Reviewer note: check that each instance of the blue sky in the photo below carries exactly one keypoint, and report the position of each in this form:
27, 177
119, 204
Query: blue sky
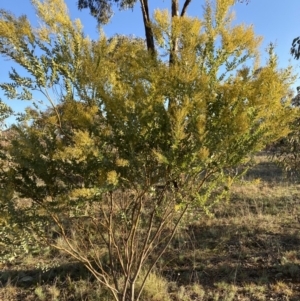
276, 20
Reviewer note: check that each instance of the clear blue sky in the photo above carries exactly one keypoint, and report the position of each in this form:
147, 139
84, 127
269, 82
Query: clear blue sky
276, 20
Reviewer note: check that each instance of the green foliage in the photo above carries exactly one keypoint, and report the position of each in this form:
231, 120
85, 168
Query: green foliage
286, 151
295, 49
102, 9
5, 111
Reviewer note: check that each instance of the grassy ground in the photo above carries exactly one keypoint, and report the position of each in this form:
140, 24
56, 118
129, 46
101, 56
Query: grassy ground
249, 250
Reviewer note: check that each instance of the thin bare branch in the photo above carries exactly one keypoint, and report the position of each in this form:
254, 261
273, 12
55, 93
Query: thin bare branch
184, 8
162, 251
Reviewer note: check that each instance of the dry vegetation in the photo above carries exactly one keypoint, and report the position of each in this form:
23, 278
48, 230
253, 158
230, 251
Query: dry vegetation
248, 250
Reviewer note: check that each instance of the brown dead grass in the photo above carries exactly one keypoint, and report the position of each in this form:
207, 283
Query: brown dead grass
248, 250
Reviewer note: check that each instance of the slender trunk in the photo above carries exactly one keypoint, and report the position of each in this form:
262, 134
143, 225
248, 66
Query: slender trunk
174, 42
175, 13
147, 26
174, 46
185, 6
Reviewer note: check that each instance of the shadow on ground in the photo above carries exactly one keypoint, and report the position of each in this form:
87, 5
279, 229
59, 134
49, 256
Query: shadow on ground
32, 277
233, 254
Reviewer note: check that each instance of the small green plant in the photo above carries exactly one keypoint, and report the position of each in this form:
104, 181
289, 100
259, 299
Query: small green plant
198, 291
54, 292
39, 292
255, 291
282, 288
187, 293
156, 287
227, 291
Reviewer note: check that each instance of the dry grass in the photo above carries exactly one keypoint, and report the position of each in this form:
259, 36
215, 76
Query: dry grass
249, 250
